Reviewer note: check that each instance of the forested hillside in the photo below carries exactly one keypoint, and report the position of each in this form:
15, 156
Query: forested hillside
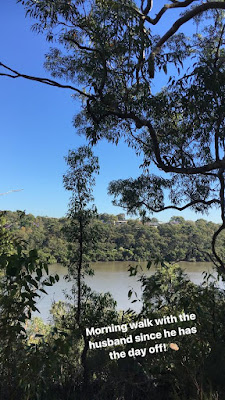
118, 240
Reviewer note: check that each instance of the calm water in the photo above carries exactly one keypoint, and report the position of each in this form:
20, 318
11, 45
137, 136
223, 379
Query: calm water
111, 277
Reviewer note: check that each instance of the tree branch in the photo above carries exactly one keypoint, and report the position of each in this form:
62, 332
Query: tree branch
187, 17
176, 4
81, 47
218, 259
141, 122
222, 227
219, 45
192, 203
15, 74
147, 8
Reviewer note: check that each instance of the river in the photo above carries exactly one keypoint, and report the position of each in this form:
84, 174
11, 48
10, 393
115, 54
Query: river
111, 277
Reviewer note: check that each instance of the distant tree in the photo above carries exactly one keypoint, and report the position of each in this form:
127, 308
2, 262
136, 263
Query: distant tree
107, 218
177, 219
121, 217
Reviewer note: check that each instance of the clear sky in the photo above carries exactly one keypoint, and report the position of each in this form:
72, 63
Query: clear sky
36, 131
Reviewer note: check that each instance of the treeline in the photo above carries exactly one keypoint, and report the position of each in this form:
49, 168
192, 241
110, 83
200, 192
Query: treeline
118, 240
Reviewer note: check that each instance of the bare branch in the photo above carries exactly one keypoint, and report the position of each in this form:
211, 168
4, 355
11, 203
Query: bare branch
11, 191
148, 7
144, 11
175, 4
192, 203
15, 74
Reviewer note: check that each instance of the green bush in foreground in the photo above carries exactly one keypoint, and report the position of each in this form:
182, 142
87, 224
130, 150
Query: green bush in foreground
49, 361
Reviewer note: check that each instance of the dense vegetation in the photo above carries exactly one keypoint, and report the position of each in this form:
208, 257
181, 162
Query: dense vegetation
43, 362
112, 52
112, 55
176, 240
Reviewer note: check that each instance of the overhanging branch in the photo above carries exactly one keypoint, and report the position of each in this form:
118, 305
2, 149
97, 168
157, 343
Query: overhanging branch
192, 203
15, 74
176, 4
187, 17
140, 123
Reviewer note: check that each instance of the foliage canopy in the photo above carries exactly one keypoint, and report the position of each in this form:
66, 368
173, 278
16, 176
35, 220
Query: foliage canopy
111, 55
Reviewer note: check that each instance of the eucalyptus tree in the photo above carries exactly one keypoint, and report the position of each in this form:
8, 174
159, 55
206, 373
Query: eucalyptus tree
111, 55
80, 180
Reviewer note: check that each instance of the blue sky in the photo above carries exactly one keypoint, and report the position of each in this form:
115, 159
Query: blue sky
37, 132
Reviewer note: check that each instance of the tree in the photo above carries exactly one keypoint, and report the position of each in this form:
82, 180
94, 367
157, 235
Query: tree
112, 54
80, 180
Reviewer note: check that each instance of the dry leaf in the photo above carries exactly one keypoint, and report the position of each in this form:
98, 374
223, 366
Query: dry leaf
174, 346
